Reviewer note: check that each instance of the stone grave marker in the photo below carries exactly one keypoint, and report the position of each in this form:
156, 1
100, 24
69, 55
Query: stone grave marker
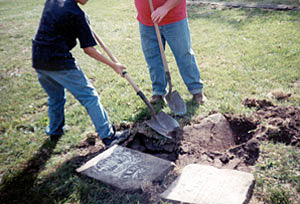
201, 184
125, 168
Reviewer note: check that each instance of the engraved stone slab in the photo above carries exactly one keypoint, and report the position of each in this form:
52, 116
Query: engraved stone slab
208, 185
125, 168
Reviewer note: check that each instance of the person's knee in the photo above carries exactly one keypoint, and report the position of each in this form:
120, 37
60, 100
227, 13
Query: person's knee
90, 101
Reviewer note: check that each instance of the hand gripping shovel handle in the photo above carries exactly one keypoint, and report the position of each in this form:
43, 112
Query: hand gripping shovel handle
162, 51
126, 76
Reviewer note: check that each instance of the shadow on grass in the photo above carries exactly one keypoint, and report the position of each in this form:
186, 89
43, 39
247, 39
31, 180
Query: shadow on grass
192, 106
145, 114
12, 190
64, 185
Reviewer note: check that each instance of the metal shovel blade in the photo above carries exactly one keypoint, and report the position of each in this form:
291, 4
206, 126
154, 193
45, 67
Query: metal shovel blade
176, 103
163, 124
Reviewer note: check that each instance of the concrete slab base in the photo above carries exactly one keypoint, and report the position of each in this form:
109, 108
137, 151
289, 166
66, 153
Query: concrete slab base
200, 184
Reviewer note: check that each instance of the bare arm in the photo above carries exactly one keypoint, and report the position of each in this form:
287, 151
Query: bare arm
160, 12
94, 53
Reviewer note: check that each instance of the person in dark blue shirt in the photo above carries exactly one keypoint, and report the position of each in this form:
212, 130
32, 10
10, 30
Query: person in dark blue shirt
61, 24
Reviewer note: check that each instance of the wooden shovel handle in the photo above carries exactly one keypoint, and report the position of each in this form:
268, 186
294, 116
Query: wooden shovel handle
114, 59
126, 76
104, 47
162, 51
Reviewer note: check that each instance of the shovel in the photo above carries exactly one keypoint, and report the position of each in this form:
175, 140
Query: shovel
161, 123
175, 102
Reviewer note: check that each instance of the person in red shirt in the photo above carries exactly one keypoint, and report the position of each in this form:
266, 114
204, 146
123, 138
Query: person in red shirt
171, 17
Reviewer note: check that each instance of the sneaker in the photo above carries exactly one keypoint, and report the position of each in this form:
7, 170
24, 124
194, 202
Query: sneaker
199, 98
55, 138
155, 99
117, 138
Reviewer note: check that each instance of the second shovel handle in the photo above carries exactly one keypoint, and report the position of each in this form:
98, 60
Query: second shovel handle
162, 50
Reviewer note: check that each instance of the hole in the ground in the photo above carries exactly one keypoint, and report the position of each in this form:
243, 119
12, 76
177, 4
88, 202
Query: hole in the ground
225, 141
215, 140
242, 128
165, 149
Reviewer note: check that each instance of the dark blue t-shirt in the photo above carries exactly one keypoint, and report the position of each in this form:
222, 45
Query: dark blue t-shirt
62, 22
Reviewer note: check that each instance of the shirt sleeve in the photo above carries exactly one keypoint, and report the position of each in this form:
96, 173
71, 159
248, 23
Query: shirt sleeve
84, 32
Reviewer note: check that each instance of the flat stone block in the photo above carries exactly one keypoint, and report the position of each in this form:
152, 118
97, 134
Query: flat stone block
200, 184
125, 168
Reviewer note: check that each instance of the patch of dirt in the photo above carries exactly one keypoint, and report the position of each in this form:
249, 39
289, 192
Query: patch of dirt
224, 141
276, 123
279, 95
219, 142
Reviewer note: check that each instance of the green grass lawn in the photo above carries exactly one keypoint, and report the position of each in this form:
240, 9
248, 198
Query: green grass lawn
241, 53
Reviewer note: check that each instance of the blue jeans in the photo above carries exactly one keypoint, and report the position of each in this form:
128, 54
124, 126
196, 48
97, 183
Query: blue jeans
177, 35
75, 81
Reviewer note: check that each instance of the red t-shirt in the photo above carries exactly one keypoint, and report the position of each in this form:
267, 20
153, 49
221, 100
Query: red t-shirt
176, 14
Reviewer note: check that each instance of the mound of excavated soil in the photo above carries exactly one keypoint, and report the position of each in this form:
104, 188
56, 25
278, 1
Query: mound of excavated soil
280, 124
225, 141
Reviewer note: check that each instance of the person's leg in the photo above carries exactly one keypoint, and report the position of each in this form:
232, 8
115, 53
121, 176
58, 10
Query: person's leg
152, 56
177, 36
56, 102
78, 84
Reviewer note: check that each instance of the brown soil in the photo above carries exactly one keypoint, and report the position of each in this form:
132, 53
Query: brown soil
225, 141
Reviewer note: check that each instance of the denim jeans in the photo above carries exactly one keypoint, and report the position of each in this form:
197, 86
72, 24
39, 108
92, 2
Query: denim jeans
75, 81
177, 35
